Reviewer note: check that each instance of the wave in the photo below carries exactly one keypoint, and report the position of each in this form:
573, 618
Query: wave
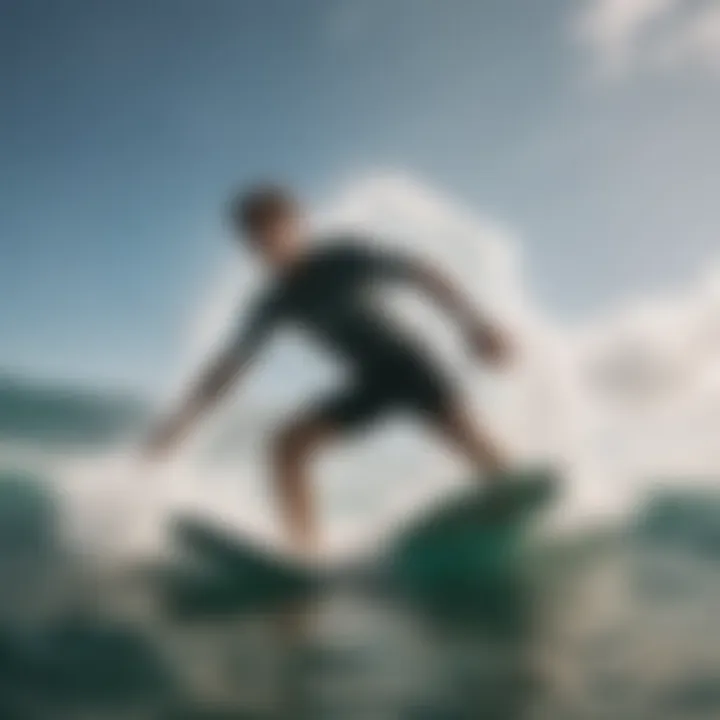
45, 414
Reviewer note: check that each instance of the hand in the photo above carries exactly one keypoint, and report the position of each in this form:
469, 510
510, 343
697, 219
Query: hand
174, 428
491, 344
160, 442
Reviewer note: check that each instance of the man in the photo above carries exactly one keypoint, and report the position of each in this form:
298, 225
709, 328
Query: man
324, 290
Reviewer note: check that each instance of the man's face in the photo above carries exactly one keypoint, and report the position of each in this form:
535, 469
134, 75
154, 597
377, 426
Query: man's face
279, 241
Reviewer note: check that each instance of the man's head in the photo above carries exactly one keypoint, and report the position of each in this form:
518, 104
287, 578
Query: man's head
270, 219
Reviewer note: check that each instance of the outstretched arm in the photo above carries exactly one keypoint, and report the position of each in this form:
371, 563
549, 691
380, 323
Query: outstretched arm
213, 383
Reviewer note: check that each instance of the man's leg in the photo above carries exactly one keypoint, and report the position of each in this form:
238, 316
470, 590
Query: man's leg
294, 448
458, 426
341, 413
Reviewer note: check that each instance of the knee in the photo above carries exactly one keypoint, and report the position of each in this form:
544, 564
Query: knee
291, 445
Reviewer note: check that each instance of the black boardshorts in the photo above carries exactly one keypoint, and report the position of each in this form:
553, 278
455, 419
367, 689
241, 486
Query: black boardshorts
413, 387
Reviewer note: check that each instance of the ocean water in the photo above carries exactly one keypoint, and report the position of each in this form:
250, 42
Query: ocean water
617, 621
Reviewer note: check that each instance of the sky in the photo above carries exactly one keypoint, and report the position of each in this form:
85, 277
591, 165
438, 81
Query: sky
589, 127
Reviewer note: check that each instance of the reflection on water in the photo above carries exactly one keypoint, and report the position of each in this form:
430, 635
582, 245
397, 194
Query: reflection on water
346, 653
621, 626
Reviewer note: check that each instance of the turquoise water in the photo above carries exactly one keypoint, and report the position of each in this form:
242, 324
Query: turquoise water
617, 624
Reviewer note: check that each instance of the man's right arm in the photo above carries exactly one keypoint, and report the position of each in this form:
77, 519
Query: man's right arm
213, 384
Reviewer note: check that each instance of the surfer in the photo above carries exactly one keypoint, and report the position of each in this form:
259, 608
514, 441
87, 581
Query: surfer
326, 289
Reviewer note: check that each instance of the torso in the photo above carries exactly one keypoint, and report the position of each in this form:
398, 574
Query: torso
327, 294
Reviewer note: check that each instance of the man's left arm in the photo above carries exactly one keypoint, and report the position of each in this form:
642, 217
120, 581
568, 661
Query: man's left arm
485, 336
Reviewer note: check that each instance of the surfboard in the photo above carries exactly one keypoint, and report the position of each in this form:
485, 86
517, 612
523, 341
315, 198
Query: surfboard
464, 543
227, 572
474, 538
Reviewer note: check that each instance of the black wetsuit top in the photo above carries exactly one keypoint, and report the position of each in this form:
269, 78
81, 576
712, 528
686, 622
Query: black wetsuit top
329, 294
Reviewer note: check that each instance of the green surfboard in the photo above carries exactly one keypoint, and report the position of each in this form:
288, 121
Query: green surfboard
233, 572
466, 543
472, 539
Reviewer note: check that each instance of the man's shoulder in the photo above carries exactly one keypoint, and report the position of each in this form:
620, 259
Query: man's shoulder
267, 300
343, 246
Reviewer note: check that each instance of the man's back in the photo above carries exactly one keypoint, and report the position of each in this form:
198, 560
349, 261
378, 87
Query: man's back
329, 293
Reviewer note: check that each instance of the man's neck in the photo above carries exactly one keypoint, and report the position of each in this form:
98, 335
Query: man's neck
293, 260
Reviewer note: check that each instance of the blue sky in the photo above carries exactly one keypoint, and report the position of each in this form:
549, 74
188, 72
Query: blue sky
124, 125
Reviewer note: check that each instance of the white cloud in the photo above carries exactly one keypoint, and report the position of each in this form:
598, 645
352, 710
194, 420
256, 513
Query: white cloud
615, 27
627, 35
697, 41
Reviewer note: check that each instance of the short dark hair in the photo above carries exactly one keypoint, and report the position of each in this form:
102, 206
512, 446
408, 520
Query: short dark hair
252, 210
